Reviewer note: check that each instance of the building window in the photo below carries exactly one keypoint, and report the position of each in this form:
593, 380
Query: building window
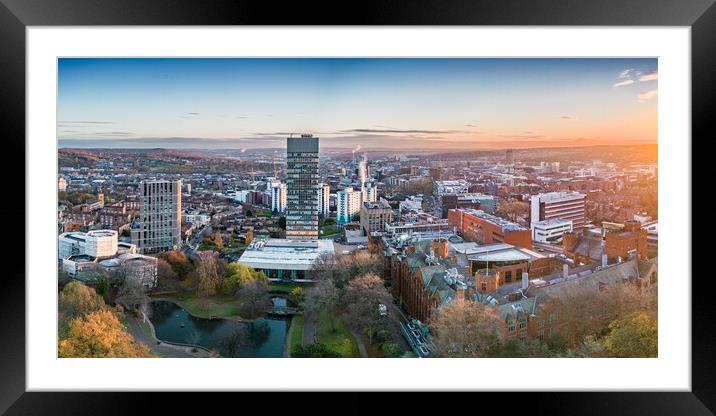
508, 276
483, 286
511, 326
523, 324
540, 335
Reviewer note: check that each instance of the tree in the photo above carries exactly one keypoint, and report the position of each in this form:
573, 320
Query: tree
77, 300
100, 334
282, 223
249, 213
321, 299
297, 295
249, 237
391, 350
179, 262
165, 274
316, 350
235, 340
218, 241
255, 299
362, 297
132, 294
513, 209
636, 336
102, 288
237, 275
583, 311
208, 273
466, 329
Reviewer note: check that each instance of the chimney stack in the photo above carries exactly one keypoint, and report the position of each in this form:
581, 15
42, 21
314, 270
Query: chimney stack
605, 260
565, 270
525, 280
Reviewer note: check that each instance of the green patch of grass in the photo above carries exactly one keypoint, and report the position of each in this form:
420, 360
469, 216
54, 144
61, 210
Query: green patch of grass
295, 333
329, 231
338, 339
283, 287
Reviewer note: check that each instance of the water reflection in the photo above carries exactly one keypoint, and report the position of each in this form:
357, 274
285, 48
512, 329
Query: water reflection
260, 338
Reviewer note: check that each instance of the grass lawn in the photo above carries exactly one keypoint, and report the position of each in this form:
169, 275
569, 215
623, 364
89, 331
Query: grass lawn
223, 306
283, 287
340, 340
329, 231
295, 333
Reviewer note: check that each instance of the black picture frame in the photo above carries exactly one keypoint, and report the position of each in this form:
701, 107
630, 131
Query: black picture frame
700, 15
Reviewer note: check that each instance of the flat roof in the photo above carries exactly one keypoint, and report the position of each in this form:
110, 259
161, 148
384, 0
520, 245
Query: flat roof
286, 254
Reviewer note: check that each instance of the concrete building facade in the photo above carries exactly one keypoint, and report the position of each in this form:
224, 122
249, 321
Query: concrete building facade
159, 218
301, 187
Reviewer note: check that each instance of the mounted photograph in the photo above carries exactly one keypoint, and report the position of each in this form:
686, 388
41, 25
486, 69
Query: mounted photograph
357, 207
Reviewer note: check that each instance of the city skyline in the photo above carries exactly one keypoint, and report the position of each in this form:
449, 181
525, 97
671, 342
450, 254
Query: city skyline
473, 103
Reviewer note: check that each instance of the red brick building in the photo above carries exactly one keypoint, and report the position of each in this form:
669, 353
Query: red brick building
632, 238
484, 228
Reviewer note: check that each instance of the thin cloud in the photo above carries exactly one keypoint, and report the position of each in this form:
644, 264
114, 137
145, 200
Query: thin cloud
623, 83
522, 136
647, 95
406, 131
567, 117
650, 76
626, 73
470, 125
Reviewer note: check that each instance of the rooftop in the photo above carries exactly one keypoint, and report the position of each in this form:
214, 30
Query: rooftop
285, 254
505, 225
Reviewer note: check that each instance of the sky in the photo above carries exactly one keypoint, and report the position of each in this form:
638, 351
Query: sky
387, 103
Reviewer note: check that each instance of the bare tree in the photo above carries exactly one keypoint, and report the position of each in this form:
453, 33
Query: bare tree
255, 299
322, 298
466, 329
132, 294
362, 297
235, 340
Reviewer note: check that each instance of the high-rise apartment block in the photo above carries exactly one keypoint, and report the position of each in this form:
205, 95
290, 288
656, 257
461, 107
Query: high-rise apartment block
559, 206
160, 216
278, 197
324, 199
348, 202
301, 187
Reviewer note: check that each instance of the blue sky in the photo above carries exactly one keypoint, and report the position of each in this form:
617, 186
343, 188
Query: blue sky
381, 103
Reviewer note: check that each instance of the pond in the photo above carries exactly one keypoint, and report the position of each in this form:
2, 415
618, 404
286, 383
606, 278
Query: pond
261, 338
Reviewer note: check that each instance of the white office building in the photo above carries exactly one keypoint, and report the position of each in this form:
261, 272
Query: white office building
559, 206
550, 231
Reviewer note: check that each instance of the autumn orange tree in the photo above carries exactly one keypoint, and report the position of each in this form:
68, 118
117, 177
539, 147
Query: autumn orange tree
100, 334
77, 300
